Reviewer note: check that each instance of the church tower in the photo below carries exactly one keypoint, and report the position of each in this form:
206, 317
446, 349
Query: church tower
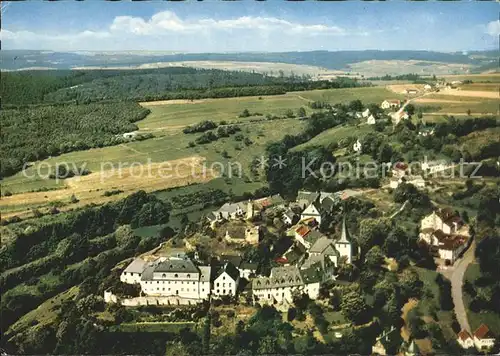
344, 245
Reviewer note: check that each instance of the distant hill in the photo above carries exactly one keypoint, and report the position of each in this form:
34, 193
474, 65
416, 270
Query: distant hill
17, 59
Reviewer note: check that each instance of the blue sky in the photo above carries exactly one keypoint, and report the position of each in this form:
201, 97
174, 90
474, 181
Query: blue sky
274, 25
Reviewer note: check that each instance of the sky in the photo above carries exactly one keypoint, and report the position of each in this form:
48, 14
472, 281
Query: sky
247, 25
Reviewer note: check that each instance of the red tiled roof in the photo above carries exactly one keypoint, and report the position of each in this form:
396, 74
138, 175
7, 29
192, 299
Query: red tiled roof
464, 335
483, 332
281, 260
394, 101
302, 230
401, 165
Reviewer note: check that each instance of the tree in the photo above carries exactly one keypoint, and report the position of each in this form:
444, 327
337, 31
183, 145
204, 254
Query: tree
410, 109
411, 284
356, 105
397, 243
301, 112
409, 192
354, 307
373, 232
374, 258
206, 334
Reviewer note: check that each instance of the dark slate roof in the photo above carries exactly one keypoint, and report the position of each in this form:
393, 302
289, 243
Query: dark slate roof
177, 265
249, 265
211, 216
312, 274
344, 237
234, 259
280, 277
230, 269
328, 204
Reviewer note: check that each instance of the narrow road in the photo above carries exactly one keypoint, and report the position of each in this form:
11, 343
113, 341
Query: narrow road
456, 276
399, 210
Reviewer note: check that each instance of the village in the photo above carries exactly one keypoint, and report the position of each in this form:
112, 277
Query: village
310, 259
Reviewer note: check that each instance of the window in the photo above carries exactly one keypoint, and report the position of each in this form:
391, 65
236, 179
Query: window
163, 275
194, 283
175, 275
217, 284
223, 277
224, 291
218, 291
188, 276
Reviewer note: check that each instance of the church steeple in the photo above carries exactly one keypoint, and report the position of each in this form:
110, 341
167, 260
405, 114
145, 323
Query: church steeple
344, 237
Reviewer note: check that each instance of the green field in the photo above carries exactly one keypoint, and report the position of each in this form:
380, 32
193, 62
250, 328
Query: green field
173, 116
335, 135
366, 95
167, 121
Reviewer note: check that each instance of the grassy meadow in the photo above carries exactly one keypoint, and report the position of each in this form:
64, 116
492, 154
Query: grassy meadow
170, 144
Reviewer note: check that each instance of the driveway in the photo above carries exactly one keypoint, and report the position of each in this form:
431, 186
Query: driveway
456, 275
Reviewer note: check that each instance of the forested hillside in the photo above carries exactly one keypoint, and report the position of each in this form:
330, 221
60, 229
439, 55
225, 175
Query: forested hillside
31, 87
34, 133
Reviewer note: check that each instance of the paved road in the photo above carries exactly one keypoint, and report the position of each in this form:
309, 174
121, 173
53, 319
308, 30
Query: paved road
456, 276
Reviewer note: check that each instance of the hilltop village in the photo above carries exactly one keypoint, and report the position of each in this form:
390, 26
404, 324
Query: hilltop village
309, 261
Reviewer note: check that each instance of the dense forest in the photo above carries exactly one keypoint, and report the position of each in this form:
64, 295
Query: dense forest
34, 87
34, 133
58, 243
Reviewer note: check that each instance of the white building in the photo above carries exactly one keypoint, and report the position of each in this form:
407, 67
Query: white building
230, 211
226, 281
398, 116
247, 270
288, 217
465, 339
445, 233
344, 245
133, 273
432, 167
365, 113
483, 338
417, 180
371, 120
312, 211
357, 146
427, 87
399, 170
390, 104
284, 282
444, 220
177, 277
325, 247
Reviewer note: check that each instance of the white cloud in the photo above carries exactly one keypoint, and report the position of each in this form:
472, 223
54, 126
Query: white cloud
246, 33
493, 28
167, 21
